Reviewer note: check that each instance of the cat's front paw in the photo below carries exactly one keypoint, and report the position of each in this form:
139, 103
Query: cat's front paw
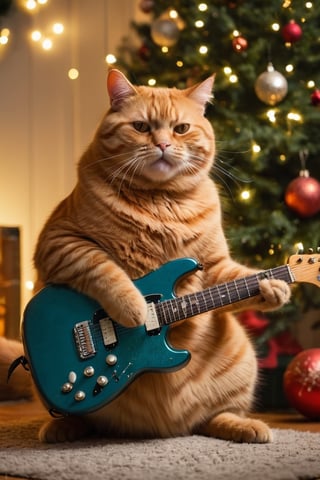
67, 429
275, 293
131, 309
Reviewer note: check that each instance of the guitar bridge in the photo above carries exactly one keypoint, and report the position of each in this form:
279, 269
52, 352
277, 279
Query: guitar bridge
83, 339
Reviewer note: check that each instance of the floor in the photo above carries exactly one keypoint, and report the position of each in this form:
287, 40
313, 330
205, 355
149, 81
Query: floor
32, 409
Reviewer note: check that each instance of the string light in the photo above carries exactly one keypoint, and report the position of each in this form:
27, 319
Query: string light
245, 195
296, 117
227, 70
164, 49
111, 59
202, 7
256, 148
179, 63
173, 14
233, 78
36, 35
73, 73
203, 49
289, 68
275, 27
152, 82
47, 44
58, 28
199, 24
309, 5
311, 84
4, 36
29, 285
271, 114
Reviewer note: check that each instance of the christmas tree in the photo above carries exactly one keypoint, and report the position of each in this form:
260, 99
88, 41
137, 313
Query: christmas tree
266, 115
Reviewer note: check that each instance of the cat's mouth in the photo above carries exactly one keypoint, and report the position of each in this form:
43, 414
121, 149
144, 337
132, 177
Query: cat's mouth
162, 165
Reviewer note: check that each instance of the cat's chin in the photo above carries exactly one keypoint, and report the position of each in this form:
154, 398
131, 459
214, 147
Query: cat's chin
160, 170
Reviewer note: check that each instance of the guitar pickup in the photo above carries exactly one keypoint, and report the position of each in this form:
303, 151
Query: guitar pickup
152, 323
83, 339
108, 332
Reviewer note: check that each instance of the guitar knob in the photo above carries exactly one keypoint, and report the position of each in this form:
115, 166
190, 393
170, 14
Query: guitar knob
79, 396
88, 371
102, 381
111, 359
66, 387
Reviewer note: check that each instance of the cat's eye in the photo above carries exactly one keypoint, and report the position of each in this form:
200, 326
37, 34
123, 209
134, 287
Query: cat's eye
182, 128
141, 126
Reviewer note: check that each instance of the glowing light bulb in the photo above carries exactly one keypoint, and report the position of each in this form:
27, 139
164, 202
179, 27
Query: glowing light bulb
31, 4
42, 2
179, 63
282, 157
311, 84
29, 285
36, 35
152, 82
309, 5
58, 28
236, 33
271, 114
227, 70
73, 73
233, 78
256, 148
203, 49
164, 49
199, 24
245, 195
289, 68
47, 44
275, 27
296, 117
173, 14
111, 59
202, 7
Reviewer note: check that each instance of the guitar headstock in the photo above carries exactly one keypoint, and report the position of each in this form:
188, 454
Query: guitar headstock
306, 267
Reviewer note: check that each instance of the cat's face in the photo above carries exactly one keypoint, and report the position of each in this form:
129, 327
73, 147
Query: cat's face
152, 136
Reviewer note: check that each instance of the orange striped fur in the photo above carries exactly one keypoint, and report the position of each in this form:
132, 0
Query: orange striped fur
144, 196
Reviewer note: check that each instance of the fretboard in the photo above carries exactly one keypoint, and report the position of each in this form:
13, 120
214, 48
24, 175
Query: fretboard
212, 298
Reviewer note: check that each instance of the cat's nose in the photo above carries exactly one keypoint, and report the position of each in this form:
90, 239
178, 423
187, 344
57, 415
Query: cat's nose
163, 145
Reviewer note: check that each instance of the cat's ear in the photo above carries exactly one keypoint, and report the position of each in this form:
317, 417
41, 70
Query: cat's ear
119, 88
202, 92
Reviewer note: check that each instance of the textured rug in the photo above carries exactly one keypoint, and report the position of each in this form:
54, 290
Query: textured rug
293, 455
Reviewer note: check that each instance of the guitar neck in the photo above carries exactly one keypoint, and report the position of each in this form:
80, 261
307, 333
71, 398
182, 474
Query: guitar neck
219, 296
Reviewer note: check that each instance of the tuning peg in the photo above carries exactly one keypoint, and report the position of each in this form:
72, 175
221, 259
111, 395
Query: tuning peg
310, 250
318, 249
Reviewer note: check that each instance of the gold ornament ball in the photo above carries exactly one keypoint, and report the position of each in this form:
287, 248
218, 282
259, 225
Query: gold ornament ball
164, 32
271, 86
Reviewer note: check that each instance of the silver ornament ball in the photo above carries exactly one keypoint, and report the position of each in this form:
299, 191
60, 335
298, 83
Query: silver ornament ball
164, 32
271, 86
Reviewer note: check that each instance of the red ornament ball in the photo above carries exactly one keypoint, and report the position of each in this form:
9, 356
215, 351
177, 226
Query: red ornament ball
301, 383
146, 6
303, 195
292, 32
315, 98
239, 44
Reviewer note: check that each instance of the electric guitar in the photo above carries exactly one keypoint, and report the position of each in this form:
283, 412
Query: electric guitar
80, 359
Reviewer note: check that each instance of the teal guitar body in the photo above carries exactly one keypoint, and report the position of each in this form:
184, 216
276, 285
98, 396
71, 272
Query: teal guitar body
80, 359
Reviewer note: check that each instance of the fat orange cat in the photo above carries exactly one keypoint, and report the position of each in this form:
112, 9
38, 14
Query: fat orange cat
144, 196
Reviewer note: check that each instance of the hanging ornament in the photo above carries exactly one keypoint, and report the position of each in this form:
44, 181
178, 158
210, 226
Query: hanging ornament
239, 44
165, 31
292, 32
271, 86
301, 383
303, 193
146, 6
315, 98
144, 52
